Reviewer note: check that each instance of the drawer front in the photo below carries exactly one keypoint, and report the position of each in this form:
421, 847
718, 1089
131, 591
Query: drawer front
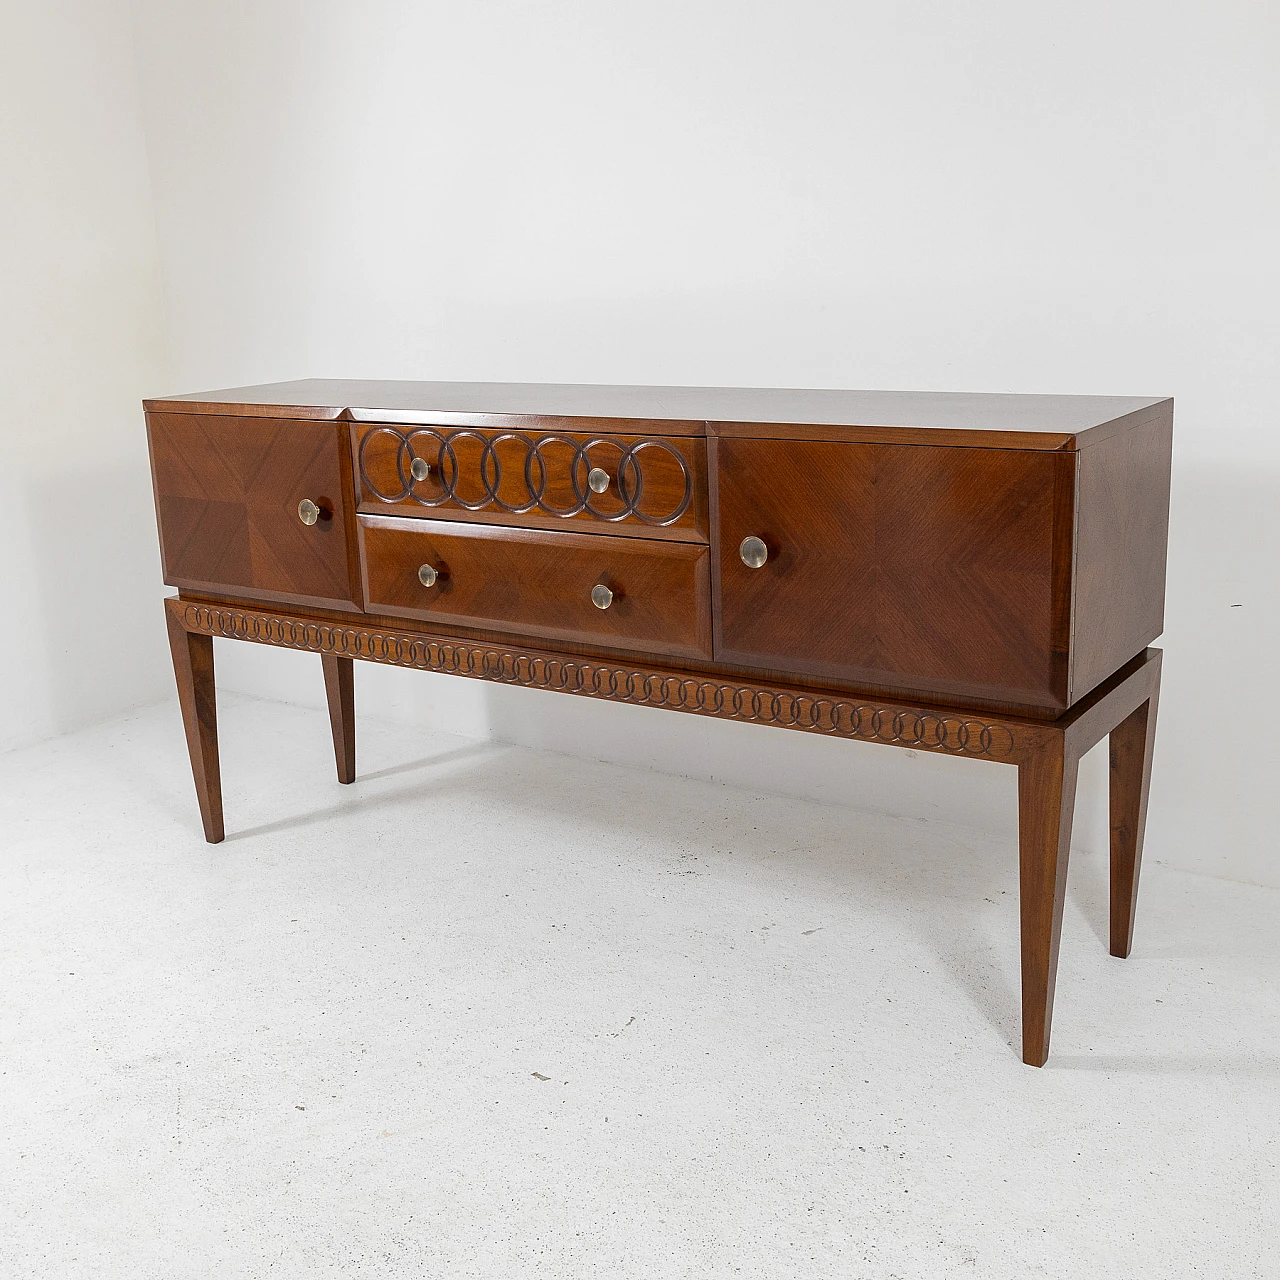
541, 584
650, 487
909, 567
227, 495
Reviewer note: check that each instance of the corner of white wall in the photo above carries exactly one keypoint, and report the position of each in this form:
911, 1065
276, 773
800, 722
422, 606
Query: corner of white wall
814, 194
80, 344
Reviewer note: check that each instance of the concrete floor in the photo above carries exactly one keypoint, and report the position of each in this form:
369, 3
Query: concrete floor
492, 1012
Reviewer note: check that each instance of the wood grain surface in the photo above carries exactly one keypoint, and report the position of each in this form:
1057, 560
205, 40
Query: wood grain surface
657, 486
192, 653
922, 568
1121, 545
340, 694
970, 575
539, 584
227, 492
989, 420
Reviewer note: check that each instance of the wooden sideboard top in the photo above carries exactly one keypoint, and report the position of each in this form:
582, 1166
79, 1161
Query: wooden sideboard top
1010, 421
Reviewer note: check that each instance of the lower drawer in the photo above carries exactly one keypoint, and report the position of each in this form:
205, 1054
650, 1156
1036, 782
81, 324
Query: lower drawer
630, 593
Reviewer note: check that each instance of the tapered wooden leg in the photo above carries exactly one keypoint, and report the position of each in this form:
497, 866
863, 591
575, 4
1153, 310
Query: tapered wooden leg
340, 688
1046, 800
193, 669
1131, 746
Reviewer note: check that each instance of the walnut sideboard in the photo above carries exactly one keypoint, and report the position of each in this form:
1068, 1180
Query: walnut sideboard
977, 575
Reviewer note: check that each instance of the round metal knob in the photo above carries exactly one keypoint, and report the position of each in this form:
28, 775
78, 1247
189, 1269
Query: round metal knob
419, 468
753, 552
598, 482
308, 511
601, 596
428, 576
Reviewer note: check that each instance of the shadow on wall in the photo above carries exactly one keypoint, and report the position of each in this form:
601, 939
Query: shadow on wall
1215, 806
97, 606
758, 759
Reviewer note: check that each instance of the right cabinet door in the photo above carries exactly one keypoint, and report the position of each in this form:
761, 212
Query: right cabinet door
914, 568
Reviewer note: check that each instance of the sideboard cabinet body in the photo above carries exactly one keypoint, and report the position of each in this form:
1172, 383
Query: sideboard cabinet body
995, 555
1012, 569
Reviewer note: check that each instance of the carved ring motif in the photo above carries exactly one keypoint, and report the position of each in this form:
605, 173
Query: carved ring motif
869, 722
445, 469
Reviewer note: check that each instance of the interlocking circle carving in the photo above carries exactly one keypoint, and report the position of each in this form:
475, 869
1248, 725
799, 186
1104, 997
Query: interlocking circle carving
436, 447
708, 695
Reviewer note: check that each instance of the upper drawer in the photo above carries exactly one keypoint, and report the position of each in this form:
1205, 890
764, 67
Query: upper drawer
642, 486
927, 570
618, 592
227, 495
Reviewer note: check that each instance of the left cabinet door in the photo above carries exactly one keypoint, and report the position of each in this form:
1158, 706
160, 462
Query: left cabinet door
228, 496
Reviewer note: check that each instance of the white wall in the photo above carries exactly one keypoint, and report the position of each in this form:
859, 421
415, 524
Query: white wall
80, 342
992, 196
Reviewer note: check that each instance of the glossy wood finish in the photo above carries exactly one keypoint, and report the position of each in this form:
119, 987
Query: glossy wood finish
1121, 544
932, 570
535, 479
968, 575
340, 692
984, 420
1124, 708
193, 670
539, 584
227, 491
1046, 803
1131, 747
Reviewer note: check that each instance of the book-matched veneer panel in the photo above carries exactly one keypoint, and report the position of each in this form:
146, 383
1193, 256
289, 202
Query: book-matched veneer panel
534, 583
914, 567
227, 493
654, 486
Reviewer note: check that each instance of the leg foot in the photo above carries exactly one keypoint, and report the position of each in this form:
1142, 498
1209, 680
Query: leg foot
1131, 746
193, 669
340, 689
1046, 800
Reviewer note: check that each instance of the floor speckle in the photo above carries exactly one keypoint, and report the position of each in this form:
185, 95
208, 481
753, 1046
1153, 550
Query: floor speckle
416, 954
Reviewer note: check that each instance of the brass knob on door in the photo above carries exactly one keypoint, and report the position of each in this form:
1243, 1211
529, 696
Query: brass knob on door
419, 468
598, 482
428, 576
601, 596
753, 552
308, 511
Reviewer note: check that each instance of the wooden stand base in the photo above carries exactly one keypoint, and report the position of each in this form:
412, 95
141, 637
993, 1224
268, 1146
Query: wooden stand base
340, 690
193, 670
1047, 753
